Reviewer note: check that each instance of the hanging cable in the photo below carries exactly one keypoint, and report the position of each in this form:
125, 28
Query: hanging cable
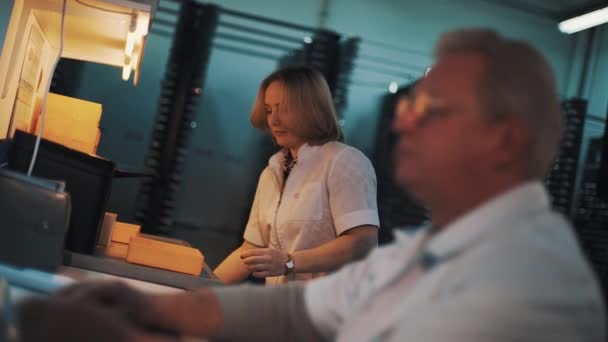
46, 92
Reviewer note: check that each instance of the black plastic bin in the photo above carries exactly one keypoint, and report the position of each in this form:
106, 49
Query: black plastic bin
88, 180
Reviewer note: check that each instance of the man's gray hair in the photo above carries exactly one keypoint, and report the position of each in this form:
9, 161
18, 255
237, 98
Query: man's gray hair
517, 81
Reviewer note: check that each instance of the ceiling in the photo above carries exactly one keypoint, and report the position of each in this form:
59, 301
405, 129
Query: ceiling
558, 9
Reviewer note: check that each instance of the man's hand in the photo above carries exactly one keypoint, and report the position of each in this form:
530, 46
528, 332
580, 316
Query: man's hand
56, 319
265, 262
119, 298
111, 295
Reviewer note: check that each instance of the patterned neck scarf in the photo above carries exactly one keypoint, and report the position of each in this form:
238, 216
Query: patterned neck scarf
288, 163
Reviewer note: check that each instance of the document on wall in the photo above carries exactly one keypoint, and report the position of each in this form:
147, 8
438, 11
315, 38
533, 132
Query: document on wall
28, 102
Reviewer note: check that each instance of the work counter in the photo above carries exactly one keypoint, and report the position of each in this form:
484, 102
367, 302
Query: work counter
79, 267
119, 268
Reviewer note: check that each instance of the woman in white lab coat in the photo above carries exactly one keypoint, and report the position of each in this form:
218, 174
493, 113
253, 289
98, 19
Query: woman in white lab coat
315, 206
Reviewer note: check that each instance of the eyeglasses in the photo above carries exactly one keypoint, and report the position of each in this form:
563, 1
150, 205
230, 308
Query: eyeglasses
421, 106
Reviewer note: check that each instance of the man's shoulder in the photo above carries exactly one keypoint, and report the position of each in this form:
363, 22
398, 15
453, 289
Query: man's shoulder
536, 275
539, 253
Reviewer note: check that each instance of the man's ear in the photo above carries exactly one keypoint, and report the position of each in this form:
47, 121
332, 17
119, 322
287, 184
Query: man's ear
512, 140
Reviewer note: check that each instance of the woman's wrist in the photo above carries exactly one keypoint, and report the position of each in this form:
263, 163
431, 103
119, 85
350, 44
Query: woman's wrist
289, 264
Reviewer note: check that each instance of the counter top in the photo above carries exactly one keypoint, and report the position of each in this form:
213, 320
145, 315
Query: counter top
123, 269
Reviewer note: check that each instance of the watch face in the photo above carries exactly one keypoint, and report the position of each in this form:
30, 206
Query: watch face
289, 264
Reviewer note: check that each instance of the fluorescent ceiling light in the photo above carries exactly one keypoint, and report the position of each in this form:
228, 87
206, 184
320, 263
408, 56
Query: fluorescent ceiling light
585, 21
393, 87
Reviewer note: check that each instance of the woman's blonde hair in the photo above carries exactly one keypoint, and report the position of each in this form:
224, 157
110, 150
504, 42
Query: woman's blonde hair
307, 95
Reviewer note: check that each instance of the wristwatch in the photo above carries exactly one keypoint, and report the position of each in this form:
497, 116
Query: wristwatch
289, 265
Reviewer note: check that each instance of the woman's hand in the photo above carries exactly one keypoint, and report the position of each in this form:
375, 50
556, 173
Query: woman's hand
265, 262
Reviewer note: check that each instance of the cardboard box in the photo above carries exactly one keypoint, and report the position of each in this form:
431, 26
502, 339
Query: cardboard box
165, 255
105, 233
71, 122
117, 250
123, 232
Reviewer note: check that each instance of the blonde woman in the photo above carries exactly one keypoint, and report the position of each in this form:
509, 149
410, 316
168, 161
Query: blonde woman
315, 205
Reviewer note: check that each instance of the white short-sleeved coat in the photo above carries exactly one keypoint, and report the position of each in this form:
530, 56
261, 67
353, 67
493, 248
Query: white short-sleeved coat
331, 188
